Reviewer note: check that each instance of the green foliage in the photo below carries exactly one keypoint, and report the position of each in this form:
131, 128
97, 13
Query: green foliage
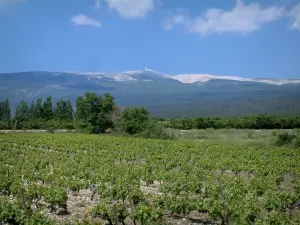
52, 125
41, 115
297, 142
134, 120
247, 122
56, 197
155, 130
147, 215
250, 134
284, 138
231, 184
5, 110
83, 126
99, 114
63, 111
48, 109
68, 125
96, 111
38, 109
11, 213
22, 112
5, 125
105, 211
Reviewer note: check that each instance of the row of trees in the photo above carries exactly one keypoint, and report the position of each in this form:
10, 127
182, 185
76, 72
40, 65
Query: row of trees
247, 122
97, 114
94, 113
39, 110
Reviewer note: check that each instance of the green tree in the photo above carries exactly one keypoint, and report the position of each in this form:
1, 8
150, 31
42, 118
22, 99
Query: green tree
22, 112
63, 111
38, 111
60, 110
134, 120
32, 111
81, 108
5, 112
95, 110
69, 111
48, 109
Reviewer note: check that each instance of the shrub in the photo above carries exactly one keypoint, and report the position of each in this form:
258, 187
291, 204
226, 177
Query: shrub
274, 133
250, 134
297, 142
69, 126
56, 197
5, 125
284, 138
83, 126
134, 120
155, 130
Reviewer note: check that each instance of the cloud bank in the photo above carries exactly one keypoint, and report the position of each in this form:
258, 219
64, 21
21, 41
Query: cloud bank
241, 19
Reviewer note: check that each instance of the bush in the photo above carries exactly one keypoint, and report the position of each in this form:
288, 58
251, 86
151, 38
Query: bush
69, 126
134, 120
297, 142
250, 135
83, 126
284, 138
155, 130
274, 133
5, 125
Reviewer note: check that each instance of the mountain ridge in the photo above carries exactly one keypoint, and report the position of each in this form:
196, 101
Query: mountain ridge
152, 75
162, 94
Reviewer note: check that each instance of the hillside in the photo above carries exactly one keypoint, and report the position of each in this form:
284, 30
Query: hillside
164, 95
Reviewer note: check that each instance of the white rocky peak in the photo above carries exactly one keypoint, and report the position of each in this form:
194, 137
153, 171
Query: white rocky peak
201, 78
137, 75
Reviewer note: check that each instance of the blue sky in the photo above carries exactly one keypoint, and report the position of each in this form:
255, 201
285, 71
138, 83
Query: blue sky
221, 37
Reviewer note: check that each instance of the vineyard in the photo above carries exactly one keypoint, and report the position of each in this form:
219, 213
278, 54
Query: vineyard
92, 179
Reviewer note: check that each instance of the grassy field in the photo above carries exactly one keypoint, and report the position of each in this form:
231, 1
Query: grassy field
249, 137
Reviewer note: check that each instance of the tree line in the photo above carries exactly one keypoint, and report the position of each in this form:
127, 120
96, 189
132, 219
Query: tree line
245, 122
98, 114
93, 113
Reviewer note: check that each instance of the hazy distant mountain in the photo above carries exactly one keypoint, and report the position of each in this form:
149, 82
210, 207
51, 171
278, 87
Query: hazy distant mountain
194, 78
162, 94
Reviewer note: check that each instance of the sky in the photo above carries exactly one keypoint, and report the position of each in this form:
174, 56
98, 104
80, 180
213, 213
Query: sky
248, 38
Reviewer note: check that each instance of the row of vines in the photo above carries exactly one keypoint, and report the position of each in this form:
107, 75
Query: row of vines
227, 184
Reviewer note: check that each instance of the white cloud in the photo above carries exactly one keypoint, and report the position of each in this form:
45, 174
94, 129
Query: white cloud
131, 8
295, 14
180, 17
83, 20
5, 3
241, 19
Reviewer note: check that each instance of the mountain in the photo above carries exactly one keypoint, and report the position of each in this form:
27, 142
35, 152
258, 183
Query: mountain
182, 95
125, 77
194, 78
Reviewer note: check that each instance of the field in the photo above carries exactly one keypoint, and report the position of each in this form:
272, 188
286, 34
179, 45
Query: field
94, 179
249, 137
